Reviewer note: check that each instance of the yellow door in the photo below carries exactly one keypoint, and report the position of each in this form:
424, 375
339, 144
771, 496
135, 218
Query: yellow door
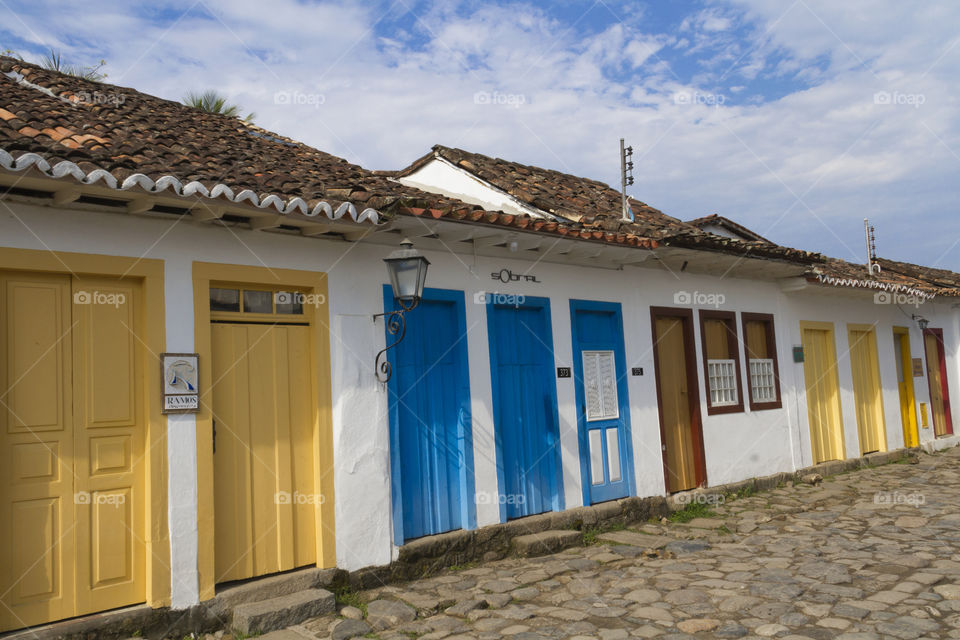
935, 378
681, 470
867, 388
71, 442
908, 415
265, 494
823, 394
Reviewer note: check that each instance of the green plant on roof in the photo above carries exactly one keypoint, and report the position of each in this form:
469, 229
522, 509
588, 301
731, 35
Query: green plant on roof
214, 102
53, 61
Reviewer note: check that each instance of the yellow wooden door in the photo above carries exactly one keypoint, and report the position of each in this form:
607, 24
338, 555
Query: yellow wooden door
904, 362
265, 493
865, 367
675, 405
108, 444
71, 512
37, 522
823, 395
935, 379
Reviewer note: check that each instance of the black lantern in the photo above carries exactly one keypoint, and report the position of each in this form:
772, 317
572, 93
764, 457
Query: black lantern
408, 273
921, 321
407, 269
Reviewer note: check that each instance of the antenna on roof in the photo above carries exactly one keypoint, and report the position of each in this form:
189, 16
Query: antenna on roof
626, 179
871, 240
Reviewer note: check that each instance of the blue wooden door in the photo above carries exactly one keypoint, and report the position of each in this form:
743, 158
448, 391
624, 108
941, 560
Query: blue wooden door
524, 407
431, 437
603, 419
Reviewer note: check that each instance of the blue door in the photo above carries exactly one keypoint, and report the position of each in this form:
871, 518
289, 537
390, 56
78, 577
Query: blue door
431, 444
524, 406
603, 419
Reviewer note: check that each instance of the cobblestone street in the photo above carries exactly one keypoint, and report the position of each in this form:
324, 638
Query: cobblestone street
868, 554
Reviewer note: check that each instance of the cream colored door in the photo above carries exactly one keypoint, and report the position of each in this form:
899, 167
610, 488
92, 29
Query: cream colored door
71, 442
823, 394
265, 495
681, 463
867, 388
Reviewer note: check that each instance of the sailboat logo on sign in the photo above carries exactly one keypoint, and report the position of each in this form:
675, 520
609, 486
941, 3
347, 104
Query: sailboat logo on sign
180, 391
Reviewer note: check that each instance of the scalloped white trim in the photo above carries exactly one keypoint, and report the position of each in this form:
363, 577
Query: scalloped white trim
874, 284
65, 168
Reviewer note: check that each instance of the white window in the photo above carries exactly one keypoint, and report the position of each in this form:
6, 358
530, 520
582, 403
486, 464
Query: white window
723, 382
762, 380
600, 385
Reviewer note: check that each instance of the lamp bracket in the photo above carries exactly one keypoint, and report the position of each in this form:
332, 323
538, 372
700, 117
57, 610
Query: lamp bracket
396, 324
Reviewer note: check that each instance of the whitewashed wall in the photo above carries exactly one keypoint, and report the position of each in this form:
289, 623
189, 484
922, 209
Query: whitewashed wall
738, 446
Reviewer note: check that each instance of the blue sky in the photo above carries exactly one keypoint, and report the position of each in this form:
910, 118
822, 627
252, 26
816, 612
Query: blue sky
796, 118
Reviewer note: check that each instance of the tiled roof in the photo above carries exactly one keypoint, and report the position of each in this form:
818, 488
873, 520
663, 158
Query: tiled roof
65, 125
560, 194
596, 206
897, 277
123, 132
716, 220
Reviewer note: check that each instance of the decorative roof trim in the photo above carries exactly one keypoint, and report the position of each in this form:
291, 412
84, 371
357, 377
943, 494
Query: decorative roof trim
873, 284
66, 168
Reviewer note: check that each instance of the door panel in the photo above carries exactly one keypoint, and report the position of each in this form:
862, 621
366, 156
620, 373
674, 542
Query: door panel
823, 395
937, 379
264, 488
37, 522
680, 441
525, 407
904, 362
867, 388
431, 441
110, 428
602, 403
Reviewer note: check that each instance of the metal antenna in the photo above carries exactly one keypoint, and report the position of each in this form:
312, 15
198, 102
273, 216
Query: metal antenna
626, 179
869, 236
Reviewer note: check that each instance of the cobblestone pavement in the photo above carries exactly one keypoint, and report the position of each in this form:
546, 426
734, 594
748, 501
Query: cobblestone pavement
869, 554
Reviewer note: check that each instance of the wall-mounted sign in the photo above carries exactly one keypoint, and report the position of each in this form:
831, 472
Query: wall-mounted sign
563, 372
505, 275
180, 391
917, 368
798, 354
636, 371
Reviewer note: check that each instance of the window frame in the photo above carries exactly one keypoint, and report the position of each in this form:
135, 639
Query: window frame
766, 318
729, 318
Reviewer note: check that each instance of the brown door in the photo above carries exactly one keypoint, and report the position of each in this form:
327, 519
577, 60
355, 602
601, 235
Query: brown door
937, 378
677, 396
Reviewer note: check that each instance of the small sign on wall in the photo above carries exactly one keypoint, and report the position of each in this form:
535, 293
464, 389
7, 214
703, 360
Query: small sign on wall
798, 354
563, 372
917, 367
181, 393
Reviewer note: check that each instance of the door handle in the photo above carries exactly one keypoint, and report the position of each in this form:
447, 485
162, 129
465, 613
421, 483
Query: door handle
214, 423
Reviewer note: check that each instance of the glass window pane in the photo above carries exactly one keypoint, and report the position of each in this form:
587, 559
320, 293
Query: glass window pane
289, 302
224, 299
258, 301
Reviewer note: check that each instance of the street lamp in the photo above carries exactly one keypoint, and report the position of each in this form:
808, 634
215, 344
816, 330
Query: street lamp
921, 321
407, 269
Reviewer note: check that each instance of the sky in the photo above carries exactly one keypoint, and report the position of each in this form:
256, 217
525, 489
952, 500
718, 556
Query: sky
797, 119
